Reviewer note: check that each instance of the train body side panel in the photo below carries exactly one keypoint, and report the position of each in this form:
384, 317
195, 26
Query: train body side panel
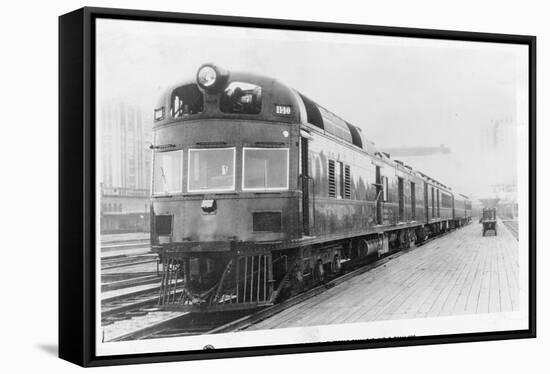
356, 213
337, 214
446, 203
420, 211
460, 207
390, 206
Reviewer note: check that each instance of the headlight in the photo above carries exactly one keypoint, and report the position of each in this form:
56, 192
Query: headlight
206, 77
211, 78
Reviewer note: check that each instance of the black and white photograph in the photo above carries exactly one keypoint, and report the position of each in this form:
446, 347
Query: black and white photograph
273, 187
264, 187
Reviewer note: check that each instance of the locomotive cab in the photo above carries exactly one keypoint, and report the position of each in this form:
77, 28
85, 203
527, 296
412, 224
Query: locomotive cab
225, 187
225, 167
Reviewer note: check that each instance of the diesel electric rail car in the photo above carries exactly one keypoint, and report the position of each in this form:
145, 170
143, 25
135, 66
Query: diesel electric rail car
258, 193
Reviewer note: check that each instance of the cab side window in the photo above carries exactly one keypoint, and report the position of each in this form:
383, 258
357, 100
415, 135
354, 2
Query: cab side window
241, 97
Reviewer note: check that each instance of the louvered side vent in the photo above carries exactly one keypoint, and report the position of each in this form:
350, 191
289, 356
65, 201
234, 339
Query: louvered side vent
347, 183
331, 179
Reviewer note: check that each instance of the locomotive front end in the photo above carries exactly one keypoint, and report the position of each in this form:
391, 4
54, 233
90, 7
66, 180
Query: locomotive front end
225, 189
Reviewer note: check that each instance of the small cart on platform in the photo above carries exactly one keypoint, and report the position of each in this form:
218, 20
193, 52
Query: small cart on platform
489, 220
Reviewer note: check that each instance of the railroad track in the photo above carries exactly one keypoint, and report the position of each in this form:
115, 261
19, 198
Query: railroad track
119, 281
121, 261
512, 226
144, 319
124, 240
129, 305
176, 324
130, 280
138, 300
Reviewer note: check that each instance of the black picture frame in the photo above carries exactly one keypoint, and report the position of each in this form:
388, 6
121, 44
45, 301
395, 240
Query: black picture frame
77, 184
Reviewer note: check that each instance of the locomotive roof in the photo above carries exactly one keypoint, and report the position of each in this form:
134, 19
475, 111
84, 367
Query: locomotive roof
308, 112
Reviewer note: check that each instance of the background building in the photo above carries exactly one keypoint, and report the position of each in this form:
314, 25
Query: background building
126, 168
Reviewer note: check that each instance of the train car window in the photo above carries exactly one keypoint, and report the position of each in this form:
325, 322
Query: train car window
167, 172
186, 100
401, 198
446, 201
438, 206
385, 189
265, 169
413, 200
211, 169
433, 203
241, 97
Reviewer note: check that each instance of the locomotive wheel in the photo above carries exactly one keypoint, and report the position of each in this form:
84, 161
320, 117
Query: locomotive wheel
404, 241
362, 248
412, 239
424, 235
295, 284
319, 271
419, 236
336, 264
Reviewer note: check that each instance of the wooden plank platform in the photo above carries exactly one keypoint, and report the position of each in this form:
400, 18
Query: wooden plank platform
460, 273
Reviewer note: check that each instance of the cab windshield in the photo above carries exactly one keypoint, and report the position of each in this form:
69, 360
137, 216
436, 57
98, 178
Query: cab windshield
265, 169
167, 172
211, 170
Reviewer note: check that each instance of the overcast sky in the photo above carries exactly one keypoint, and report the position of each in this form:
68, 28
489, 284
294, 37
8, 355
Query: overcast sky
400, 91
